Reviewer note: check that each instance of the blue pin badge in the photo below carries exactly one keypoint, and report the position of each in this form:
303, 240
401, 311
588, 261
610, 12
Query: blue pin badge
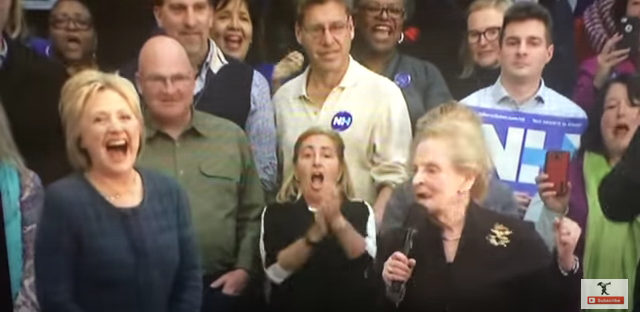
341, 121
403, 80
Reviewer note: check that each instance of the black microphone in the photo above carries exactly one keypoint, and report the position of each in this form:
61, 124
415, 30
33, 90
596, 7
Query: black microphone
397, 290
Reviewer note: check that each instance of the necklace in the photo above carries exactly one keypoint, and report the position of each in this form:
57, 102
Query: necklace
114, 197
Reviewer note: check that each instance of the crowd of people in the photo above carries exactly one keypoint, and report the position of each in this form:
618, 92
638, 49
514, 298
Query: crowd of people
350, 174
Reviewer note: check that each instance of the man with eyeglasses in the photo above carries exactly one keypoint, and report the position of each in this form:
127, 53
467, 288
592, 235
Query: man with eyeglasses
379, 27
211, 159
30, 90
367, 110
224, 86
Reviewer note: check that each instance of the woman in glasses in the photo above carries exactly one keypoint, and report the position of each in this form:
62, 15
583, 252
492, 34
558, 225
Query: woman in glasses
73, 37
379, 30
481, 47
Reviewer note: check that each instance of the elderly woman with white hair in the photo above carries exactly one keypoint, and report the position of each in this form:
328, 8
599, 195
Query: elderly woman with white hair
113, 237
464, 257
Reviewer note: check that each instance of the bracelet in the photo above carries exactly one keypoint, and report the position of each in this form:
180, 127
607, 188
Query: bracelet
573, 270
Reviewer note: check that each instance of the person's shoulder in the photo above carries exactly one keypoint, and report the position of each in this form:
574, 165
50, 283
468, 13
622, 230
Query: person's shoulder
473, 98
217, 126
157, 182
259, 78
67, 189
288, 89
279, 210
417, 63
567, 107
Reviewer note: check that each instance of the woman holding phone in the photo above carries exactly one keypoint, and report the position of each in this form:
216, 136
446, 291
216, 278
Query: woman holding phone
606, 248
464, 257
614, 58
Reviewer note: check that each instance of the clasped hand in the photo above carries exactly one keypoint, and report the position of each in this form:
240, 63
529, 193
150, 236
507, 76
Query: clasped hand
328, 217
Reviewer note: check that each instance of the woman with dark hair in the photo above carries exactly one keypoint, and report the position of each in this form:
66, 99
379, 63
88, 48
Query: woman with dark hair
610, 61
607, 249
22, 197
379, 31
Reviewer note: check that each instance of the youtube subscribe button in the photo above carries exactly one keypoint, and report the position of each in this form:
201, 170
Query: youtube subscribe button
605, 300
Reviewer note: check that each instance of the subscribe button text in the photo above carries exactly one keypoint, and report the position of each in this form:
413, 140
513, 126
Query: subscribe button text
605, 300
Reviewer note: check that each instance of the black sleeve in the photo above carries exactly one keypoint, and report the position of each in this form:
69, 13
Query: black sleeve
619, 189
30, 91
273, 237
544, 288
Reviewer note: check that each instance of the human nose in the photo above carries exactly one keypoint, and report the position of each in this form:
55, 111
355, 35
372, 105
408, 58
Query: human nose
316, 160
190, 18
235, 22
418, 177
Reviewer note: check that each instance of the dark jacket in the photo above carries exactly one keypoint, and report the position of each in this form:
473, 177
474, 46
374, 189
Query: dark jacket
421, 84
619, 195
520, 275
30, 91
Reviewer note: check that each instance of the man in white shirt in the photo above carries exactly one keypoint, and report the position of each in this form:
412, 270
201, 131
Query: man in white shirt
526, 48
367, 109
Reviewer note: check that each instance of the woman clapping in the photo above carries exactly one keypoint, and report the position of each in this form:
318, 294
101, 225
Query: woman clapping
317, 243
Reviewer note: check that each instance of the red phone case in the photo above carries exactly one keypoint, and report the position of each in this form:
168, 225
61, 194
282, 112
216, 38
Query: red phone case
557, 168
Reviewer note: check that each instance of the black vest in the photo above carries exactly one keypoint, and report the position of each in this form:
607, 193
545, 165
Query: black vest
226, 94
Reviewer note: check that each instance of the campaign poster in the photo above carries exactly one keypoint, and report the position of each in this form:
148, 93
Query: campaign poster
518, 143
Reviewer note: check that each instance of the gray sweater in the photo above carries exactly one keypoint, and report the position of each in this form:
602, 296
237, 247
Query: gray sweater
500, 198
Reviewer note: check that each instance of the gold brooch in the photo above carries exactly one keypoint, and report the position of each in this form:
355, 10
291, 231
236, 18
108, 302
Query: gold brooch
499, 235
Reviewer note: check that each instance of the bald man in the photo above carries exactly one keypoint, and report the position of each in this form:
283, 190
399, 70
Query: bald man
211, 158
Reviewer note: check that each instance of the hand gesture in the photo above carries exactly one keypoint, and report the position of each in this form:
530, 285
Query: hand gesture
608, 59
331, 205
523, 200
319, 228
233, 283
567, 233
550, 198
398, 268
288, 66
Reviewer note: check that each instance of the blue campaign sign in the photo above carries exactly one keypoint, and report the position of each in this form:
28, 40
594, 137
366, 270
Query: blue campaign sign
518, 143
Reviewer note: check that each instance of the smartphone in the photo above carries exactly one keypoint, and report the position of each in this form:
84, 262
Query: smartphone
557, 168
630, 30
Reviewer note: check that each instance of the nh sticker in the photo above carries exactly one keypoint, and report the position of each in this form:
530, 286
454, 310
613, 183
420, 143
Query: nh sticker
341, 121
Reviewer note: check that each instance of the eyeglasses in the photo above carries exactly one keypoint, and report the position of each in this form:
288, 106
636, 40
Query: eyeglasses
489, 34
393, 11
163, 81
65, 23
335, 29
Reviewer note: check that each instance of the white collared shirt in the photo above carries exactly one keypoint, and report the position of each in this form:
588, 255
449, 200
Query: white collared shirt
546, 102
369, 112
214, 62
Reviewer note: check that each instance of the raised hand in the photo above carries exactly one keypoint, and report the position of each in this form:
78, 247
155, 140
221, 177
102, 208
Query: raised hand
567, 233
288, 66
398, 268
550, 198
608, 59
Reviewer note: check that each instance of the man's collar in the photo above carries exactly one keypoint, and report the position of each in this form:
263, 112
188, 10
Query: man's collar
215, 59
349, 79
499, 93
197, 123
